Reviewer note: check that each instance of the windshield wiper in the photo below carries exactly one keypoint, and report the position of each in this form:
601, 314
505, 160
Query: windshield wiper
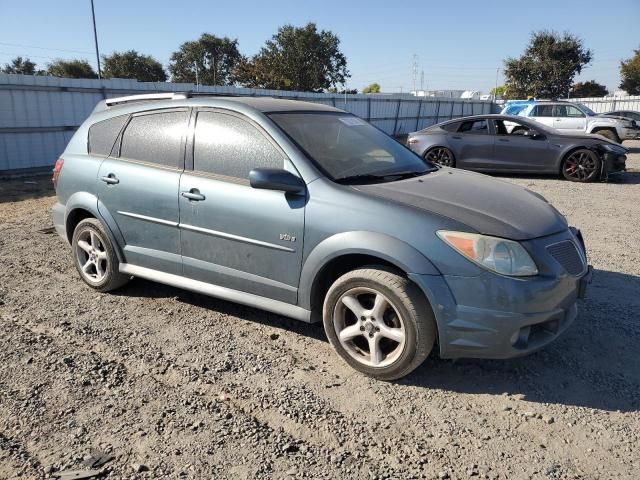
387, 177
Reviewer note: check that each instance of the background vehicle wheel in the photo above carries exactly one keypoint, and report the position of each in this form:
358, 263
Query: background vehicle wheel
442, 156
610, 134
581, 166
379, 322
95, 258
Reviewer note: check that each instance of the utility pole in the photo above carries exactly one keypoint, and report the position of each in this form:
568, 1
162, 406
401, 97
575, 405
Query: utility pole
495, 91
195, 64
95, 38
415, 71
422, 81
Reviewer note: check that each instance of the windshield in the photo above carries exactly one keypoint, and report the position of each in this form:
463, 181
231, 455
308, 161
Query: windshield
346, 147
587, 110
514, 109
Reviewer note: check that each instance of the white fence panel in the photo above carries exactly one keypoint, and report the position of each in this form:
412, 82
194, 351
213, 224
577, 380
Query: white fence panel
38, 114
610, 104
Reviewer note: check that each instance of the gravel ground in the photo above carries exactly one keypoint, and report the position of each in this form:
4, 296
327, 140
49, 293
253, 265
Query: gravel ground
174, 384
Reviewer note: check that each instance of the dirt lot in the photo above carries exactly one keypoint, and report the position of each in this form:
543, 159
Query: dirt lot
175, 384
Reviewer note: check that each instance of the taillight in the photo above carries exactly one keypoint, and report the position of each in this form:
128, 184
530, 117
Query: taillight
57, 168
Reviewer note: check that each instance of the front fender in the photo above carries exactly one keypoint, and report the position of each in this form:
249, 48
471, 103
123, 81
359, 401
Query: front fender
380, 245
89, 202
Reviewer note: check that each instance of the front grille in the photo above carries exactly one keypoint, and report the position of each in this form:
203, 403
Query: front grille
567, 255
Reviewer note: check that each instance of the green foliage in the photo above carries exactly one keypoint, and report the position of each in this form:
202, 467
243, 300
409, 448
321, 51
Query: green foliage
499, 91
547, 67
215, 58
131, 64
71, 69
303, 59
19, 65
590, 88
373, 88
630, 74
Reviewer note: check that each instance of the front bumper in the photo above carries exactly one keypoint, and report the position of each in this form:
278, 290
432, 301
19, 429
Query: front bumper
613, 163
630, 133
492, 316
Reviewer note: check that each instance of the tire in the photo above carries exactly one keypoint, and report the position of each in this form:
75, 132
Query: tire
581, 165
441, 156
398, 322
610, 134
95, 258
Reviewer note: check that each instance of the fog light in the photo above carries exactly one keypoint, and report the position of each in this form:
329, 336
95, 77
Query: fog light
521, 337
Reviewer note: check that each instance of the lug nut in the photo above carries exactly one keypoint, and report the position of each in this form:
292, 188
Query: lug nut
362, 329
377, 329
371, 335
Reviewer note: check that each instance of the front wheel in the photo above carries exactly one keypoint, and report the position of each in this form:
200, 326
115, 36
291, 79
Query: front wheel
379, 322
581, 166
442, 156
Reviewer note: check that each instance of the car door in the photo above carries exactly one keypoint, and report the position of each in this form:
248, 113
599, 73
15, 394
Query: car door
472, 144
569, 119
233, 235
138, 187
518, 148
543, 113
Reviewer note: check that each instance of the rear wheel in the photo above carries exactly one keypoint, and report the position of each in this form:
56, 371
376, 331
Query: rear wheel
581, 166
442, 156
610, 134
379, 322
95, 258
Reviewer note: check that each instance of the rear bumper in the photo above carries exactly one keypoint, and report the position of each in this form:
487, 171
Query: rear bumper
58, 214
492, 316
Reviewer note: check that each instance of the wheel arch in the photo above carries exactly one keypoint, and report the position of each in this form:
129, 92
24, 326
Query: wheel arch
83, 205
345, 251
569, 151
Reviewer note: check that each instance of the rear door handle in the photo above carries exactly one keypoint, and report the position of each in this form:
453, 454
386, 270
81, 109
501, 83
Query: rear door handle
111, 179
457, 137
193, 194
503, 139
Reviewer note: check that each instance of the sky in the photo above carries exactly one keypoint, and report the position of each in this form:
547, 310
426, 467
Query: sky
458, 44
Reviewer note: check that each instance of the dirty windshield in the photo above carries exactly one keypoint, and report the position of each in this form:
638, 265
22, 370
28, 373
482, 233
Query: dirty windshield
349, 149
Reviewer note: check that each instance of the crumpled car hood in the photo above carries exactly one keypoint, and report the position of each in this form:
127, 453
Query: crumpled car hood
489, 206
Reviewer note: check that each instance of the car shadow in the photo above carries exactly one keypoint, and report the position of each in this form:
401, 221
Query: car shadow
594, 364
14, 189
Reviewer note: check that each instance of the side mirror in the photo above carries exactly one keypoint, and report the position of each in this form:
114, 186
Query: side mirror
533, 135
275, 179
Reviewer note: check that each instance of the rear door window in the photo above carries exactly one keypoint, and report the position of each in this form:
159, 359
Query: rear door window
567, 111
229, 146
542, 111
477, 127
156, 138
102, 135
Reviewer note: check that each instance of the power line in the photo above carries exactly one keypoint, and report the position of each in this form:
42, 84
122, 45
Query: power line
43, 48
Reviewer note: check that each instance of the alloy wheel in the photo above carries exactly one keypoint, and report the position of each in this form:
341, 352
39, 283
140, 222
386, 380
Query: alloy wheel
441, 156
369, 327
91, 256
580, 165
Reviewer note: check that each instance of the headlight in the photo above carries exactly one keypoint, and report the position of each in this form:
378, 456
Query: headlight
497, 254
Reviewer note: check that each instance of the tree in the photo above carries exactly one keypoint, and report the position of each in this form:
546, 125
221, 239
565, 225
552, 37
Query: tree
19, 65
214, 58
630, 74
131, 64
499, 91
295, 58
71, 69
588, 89
373, 88
547, 67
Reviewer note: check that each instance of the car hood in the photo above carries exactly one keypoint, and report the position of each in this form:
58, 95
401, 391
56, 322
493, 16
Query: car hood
581, 137
488, 206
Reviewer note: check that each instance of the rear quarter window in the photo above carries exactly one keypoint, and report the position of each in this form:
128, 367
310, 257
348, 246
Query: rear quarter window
102, 135
451, 127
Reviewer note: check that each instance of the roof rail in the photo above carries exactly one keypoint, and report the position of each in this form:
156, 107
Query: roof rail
109, 102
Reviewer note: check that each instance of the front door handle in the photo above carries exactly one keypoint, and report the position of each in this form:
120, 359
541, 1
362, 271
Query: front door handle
194, 195
110, 179
503, 139
457, 137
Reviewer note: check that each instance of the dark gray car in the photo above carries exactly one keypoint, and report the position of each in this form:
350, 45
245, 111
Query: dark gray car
504, 143
310, 212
